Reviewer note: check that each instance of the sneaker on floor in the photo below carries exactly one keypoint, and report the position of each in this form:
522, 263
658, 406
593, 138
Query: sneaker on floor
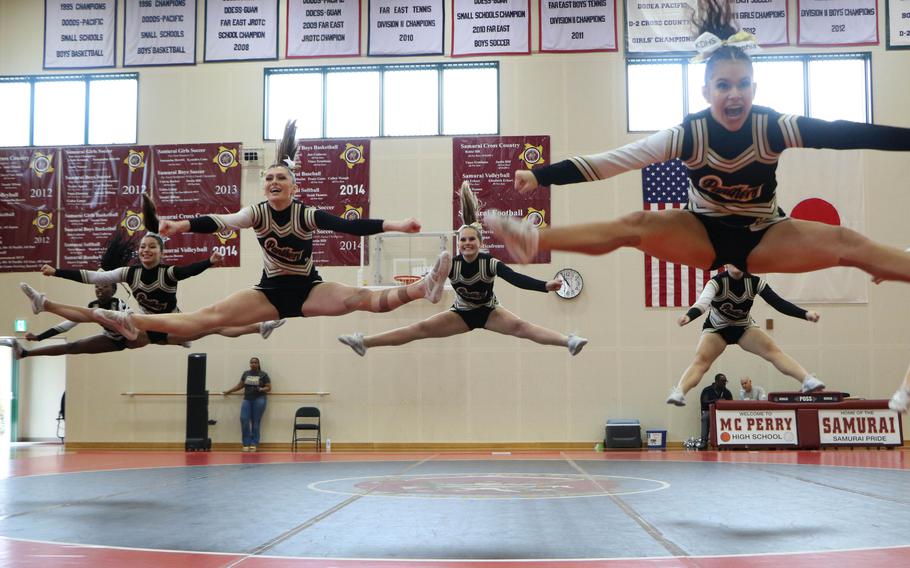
246, 448
811, 384
900, 401
520, 237
677, 397
576, 343
254, 448
13, 344
36, 297
355, 342
435, 280
267, 327
121, 322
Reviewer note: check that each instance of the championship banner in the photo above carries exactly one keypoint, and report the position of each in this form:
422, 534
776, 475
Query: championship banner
659, 27
198, 179
765, 19
756, 427
491, 27
101, 190
28, 208
334, 175
577, 25
79, 35
837, 22
489, 163
406, 27
323, 28
853, 426
159, 33
897, 22
241, 30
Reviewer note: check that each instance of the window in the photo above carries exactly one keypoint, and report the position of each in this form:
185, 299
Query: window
53, 110
795, 84
383, 100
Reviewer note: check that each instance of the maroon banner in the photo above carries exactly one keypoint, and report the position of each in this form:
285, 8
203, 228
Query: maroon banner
334, 175
198, 179
489, 163
101, 190
28, 208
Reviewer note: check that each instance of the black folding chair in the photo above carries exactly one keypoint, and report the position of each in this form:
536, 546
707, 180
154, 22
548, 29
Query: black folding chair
307, 419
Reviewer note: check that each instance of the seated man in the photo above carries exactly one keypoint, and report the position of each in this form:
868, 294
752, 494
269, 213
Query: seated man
709, 395
749, 392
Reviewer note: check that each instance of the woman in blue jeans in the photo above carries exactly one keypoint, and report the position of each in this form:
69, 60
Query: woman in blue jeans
255, 385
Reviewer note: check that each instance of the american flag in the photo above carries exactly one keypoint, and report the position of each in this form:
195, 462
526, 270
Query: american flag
665, 186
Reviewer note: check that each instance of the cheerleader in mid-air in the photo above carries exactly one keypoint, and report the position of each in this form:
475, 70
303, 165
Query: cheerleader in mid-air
290, 285
728, 299
153, 284
472, 275
730, 151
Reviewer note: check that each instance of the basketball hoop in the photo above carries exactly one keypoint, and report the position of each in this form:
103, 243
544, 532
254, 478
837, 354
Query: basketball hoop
405, 279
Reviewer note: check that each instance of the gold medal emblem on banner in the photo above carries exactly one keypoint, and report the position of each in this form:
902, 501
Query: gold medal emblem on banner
225, 235
226, 158
537, 217
351, 213
352, 155
42, 163
43, 221
134, 160
532, 155
133, 221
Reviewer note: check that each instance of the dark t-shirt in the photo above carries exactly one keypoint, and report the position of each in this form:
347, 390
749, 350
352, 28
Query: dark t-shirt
710, 395
251, 383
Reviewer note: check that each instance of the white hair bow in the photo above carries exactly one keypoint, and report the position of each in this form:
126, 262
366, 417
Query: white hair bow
290, 163
707, 43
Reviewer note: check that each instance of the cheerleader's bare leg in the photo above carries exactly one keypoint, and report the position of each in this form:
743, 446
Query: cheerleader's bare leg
709, 348
803, 246
505, 322
672, 235
445, 324
760, 343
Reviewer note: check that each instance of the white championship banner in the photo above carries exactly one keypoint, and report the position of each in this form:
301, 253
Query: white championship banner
852, 426
577, 25
765, 19
754, 427
658, 27
79, 35
323, 28
898, 24
241, 30
159, 33
838, 22
406, 27
491, 27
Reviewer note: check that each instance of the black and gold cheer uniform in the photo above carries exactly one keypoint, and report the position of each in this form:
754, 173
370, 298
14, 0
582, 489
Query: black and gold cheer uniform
729, 302
286, 239
155, 289
473, 285
732, 175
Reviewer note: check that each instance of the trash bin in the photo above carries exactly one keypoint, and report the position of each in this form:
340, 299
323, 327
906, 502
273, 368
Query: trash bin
657, 439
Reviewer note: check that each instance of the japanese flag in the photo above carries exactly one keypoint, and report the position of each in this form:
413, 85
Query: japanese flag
824, 186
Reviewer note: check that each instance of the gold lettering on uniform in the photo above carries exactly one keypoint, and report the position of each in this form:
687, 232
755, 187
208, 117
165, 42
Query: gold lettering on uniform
741, 192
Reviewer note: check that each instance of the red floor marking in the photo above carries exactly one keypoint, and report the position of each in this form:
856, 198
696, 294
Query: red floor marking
28, 554
98, 460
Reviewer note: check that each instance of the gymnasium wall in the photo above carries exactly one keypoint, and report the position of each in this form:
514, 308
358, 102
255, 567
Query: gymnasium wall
478, 387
